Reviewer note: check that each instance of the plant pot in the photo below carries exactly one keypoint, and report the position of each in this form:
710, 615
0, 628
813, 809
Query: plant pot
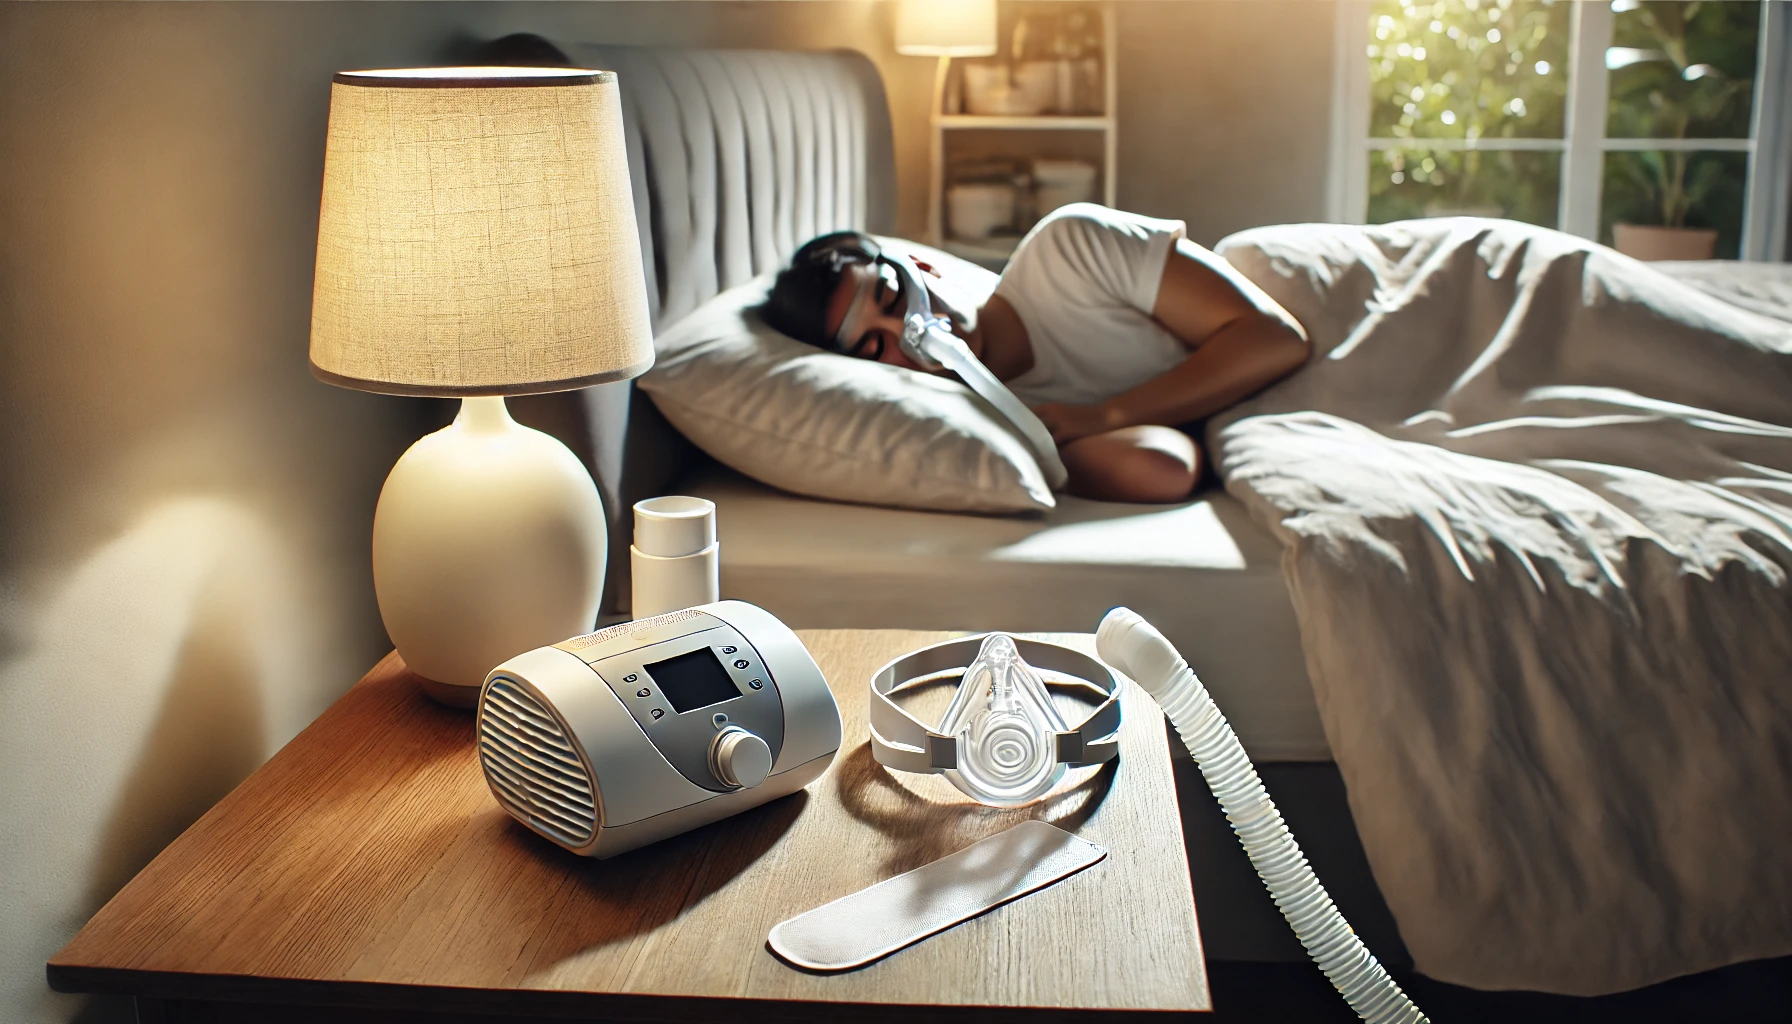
1651, 242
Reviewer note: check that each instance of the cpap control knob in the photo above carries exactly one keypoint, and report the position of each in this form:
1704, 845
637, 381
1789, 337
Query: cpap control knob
738, 758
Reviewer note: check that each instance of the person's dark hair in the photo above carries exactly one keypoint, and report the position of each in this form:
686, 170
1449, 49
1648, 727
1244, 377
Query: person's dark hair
798, 302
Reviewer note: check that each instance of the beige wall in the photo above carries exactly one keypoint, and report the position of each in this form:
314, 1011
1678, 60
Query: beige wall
1224, 111
185, 513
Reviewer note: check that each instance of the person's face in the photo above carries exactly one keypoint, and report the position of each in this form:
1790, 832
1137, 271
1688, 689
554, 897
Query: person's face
873, 299
869, 299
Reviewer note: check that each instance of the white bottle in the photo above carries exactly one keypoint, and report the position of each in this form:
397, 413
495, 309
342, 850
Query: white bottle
676, 559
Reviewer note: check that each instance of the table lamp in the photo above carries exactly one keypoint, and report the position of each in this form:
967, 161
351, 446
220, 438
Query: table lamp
477, 239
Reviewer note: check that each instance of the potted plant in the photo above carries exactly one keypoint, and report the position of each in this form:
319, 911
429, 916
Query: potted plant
1665, 90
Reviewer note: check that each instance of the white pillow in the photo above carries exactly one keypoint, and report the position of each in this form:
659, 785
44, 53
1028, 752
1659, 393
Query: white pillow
831, 426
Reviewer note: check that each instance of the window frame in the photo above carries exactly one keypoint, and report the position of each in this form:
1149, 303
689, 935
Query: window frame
1767, 202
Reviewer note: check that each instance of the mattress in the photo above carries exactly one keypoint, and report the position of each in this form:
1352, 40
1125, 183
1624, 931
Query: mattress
1200, 571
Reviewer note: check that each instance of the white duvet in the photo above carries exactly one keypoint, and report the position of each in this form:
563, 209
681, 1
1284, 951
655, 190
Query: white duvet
1536, 502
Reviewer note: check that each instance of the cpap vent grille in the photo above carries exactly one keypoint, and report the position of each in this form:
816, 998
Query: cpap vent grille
532, 766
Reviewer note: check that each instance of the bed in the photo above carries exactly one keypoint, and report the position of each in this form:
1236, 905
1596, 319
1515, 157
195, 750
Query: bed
1204, 567
736, 158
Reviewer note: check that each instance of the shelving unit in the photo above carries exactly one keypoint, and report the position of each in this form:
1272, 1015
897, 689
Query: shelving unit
949, 129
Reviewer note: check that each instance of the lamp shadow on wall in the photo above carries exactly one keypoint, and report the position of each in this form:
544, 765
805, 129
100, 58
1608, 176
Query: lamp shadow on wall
208, 734
144, 693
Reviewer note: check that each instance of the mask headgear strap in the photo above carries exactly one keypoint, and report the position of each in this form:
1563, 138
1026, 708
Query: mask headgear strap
901, 742
852, 324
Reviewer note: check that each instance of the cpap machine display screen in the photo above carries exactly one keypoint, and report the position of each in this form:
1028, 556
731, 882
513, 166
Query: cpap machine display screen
694, 680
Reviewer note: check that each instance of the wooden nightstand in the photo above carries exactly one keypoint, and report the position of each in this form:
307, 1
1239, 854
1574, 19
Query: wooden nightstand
367, 868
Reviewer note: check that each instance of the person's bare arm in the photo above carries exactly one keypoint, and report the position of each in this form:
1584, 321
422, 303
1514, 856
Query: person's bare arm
1242, 341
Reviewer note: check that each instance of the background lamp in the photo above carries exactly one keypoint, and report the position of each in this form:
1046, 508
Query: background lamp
477, 239
946, 28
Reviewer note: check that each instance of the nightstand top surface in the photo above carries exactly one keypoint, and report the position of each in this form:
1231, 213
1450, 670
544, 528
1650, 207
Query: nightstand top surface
367, 864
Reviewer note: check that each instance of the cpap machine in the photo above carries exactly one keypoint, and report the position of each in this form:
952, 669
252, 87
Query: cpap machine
650, 728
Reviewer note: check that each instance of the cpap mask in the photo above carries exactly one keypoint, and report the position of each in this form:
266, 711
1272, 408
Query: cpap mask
927, 339
1002, 741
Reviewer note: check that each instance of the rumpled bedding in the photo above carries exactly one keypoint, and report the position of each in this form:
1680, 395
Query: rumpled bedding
1765, 288
1536, 503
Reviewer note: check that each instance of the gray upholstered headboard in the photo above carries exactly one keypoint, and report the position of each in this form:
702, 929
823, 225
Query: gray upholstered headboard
739, 156
736, 157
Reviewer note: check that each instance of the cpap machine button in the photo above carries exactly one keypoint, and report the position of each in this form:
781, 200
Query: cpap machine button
739, 759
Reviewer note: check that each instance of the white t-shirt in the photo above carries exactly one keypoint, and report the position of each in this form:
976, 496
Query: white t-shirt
1084, 282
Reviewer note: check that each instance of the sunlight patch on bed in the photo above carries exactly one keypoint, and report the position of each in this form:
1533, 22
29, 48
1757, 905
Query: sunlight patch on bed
1188, 535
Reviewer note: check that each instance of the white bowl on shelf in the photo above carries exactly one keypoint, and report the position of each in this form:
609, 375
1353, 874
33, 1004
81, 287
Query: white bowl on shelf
974, 210
1061, 182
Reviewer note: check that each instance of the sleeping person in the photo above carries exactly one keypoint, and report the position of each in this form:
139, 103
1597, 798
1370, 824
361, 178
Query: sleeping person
1117, 331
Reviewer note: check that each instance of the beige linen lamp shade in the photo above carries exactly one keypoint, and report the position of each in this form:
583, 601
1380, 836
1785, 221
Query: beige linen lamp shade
946, 28
477, 234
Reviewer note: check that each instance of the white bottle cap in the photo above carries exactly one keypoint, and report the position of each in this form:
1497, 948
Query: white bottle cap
674, 525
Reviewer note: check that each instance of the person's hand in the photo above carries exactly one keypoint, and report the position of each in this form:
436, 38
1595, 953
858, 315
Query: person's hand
1067, 423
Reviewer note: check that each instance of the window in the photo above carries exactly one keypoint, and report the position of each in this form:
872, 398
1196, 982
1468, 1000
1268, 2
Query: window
1590, 117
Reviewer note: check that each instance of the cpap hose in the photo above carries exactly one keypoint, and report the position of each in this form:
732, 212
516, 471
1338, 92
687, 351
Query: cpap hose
929, 341
949, 350
1132, 645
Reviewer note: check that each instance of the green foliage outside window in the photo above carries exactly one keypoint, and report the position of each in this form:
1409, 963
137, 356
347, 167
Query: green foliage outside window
1469, 69
1466, 69
1682, 70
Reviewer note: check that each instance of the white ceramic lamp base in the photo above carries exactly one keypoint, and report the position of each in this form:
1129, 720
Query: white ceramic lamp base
489, 541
